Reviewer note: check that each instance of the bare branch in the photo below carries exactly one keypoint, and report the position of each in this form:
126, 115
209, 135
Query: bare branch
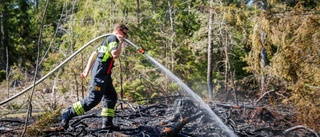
36, 70
300, 127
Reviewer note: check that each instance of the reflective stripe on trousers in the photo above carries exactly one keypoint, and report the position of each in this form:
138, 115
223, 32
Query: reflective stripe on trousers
107, 112
78, 108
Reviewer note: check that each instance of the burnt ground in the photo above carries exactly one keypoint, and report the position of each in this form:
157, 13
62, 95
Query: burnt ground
181, 118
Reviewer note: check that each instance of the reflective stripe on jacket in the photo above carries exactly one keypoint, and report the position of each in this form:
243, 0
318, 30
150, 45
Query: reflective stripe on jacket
106, 50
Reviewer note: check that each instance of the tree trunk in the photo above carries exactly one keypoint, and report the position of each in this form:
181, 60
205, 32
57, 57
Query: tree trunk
263, 52
7, 70
138, 13
226, 76
264, 62
209, 69
234, 88
36, 69
4, 41
82, 85
171, 15
36, 3
154, 6
71, 28
111, 16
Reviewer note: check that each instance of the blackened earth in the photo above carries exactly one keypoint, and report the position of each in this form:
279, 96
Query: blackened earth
183, 118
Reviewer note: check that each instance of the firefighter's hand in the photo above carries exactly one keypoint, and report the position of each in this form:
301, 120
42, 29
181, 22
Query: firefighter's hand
120, 38
84, 74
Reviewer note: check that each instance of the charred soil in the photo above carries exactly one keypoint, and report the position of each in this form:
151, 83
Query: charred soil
181, 118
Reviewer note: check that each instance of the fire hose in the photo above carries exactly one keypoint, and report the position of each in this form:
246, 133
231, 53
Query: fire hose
64, 62
135, 46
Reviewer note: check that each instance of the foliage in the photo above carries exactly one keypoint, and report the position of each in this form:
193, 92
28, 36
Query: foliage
2, 75
293, 49
43, 123
297, 62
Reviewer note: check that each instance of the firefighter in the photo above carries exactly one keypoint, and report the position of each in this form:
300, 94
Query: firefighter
100, 63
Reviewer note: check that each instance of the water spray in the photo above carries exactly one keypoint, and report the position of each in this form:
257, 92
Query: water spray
140, 50
188, 91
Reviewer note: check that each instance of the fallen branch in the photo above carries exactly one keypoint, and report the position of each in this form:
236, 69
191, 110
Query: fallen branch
78, 121
234, 106
300, 127
173, 132
256, 101
11, 121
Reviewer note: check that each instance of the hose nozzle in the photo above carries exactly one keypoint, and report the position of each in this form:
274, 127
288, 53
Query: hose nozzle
141, 51
135, 46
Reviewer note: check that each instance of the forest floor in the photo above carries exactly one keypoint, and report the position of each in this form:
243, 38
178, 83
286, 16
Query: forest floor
180, 117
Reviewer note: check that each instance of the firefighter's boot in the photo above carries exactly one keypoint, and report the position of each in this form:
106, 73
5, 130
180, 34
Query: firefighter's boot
107, 123
66, 116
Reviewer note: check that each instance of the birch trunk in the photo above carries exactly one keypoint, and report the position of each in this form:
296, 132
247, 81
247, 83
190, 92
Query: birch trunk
209, 69
171, 15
